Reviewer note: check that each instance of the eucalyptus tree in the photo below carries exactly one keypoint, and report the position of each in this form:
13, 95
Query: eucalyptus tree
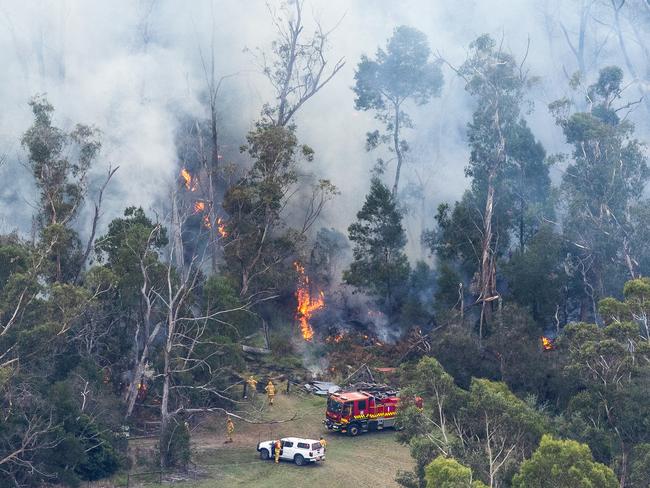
60, 161
402, 72
510, 183
603, 188
297, 66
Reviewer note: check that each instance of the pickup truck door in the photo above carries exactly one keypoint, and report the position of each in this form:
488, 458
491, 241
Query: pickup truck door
288, 450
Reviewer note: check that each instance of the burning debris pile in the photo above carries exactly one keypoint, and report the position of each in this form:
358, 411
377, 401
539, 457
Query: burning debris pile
307, 303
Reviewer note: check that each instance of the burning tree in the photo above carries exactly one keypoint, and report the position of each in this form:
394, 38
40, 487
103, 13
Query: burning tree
307, 303
260, 240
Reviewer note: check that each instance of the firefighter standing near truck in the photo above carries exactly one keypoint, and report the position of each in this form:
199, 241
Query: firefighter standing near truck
230, 428
277, 448
323, 443
270, 392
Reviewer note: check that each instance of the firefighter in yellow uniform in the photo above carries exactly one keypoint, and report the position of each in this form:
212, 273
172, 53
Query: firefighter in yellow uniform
252, 384
270, 392
230, 428
278, 448
323, 443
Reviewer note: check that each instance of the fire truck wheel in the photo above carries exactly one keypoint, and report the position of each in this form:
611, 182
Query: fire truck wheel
353, 430
299, 460
264, 455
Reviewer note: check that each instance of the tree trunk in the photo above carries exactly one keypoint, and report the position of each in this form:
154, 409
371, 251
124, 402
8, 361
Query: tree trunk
164, 403
212, 181
138, 372
623, 477
487, 288
177, 238
396, 147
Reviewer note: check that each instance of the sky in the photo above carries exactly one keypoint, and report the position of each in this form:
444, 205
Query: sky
133, 69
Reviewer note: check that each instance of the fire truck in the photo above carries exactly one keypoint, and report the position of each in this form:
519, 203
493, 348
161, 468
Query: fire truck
355, 412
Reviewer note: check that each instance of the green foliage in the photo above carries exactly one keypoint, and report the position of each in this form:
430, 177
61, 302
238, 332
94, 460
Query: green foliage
603, 186
536, 275
380, 266
61, 181
401, 72
640, 466
476, 426
260, 241
563, 464
634, 308
510, 183
445, 472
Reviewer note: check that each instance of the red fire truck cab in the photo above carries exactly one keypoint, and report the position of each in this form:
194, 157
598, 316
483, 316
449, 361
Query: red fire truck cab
354, 412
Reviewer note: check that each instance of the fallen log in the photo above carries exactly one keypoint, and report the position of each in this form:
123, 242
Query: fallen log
256, 350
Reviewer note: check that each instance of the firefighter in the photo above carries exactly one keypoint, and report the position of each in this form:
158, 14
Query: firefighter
252, 384
323, 443
230, 428
277, 447
270, 392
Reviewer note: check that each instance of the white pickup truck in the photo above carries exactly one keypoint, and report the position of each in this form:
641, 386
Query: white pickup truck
296, 449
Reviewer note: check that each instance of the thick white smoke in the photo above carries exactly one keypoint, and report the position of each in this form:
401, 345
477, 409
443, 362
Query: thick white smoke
133, 68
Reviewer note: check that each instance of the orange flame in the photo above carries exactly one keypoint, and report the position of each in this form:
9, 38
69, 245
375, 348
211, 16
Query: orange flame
200, 207
221, 227
547, 344
190, 183
307, 304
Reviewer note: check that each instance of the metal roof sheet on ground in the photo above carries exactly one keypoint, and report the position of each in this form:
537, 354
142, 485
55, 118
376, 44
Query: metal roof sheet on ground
322, 387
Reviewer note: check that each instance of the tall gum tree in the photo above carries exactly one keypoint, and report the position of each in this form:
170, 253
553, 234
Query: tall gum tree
495, 134
603, 187
400, 73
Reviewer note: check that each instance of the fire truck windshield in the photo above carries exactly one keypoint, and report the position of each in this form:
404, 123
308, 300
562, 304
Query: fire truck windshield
347, 410
333, 405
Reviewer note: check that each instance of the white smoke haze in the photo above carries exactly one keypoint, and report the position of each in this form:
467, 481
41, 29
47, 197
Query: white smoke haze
134, 70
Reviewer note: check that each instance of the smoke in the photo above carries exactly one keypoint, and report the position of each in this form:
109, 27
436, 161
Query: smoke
135, 69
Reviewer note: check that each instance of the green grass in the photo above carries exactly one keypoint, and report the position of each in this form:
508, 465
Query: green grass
370, 460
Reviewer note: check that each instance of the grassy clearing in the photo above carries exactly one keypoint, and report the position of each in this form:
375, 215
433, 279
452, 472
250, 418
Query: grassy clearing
370, 460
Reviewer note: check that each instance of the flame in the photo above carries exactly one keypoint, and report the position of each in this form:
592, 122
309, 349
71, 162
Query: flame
200, 207
547, 344
190, 183
221, 227
307, 304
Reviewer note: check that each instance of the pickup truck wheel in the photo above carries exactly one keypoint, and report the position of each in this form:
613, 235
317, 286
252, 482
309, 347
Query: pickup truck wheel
264, 455
299, 460
353, 430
